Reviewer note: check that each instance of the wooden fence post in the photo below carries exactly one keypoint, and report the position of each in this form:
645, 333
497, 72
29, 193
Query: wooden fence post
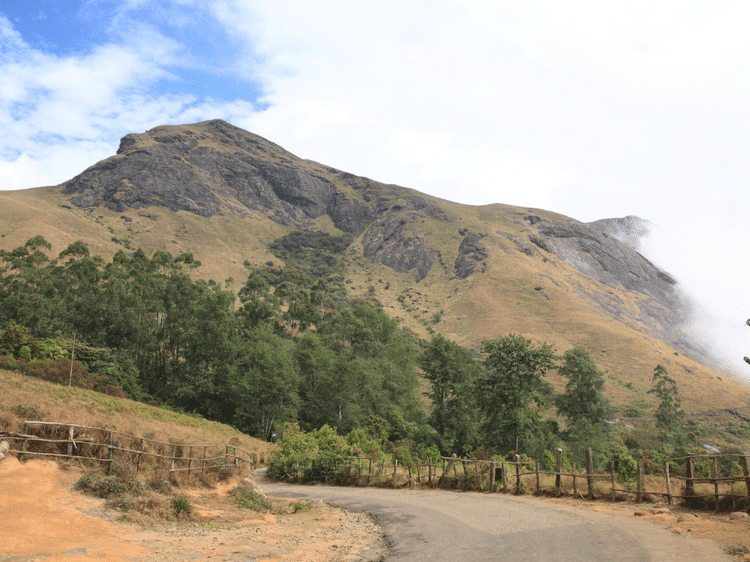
190, 459
538, 484
745, 464
504, 473
111, 453
138, 458
174, 457
518, 474
575, 482
24, 443
558, 473
493, 467
715, 471
395, 466
689, 475
590, 473
614, 483
639, 481
369, 473
236, 461
71, 442
669, 484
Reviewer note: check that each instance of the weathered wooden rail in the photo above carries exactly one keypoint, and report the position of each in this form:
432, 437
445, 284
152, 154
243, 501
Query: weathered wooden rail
108, 446
513, 476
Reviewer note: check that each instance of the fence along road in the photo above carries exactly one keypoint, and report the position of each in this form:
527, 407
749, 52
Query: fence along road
439, 525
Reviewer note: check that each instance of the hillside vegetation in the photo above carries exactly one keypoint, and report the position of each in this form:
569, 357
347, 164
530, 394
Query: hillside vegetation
207, 268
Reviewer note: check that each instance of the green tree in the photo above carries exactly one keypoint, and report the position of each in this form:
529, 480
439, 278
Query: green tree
583, 398
265, 390
669, 413
451, 373
512, 391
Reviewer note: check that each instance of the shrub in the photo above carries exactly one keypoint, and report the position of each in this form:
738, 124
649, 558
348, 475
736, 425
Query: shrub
627, 468
246, 498
101, 486
301, 507
180, 506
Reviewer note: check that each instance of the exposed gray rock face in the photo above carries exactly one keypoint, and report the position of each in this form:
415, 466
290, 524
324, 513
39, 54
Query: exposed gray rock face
606, 250
220, 169
470, 253
387, 241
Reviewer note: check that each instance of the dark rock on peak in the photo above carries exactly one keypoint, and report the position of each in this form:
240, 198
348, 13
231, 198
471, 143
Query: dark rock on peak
214, 167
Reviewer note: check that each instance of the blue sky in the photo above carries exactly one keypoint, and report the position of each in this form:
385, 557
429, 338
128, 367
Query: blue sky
590, 109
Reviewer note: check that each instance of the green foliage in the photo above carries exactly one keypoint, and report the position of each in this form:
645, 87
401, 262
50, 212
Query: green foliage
246, 498
627, 467
301, 507
121, 482
322, 443
364, 445
452, 374
512, 392
180, 506
583, 398
669, 413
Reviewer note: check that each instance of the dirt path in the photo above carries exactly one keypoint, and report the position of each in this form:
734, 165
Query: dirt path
41, 518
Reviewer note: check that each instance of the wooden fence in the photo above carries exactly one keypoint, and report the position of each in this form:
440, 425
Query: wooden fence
107, 446
514, 476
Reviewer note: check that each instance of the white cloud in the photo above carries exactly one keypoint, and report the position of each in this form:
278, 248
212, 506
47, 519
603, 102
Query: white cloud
60, 115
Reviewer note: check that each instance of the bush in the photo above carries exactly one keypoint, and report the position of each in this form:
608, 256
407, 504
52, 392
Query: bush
627, 468
246, 498
120, 483
180, 506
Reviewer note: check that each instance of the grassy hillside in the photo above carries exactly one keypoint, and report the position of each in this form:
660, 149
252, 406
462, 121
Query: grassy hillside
27, 398
544, 299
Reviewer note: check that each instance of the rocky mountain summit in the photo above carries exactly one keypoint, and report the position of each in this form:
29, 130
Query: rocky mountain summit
216, 168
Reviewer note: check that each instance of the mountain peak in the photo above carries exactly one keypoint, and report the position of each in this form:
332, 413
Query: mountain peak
211, 168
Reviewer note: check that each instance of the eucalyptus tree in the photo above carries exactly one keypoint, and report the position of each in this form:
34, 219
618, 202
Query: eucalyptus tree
512, 392
451, 372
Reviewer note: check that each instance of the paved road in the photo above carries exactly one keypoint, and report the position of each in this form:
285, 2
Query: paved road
439, 525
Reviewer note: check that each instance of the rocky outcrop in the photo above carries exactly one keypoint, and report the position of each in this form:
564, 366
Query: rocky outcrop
607, 251
213, 168
470, 253
389, 241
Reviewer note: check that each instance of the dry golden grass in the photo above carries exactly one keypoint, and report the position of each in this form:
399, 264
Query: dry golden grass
84, 407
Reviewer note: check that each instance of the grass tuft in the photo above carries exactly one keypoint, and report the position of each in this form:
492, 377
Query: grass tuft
180, 506
249, 499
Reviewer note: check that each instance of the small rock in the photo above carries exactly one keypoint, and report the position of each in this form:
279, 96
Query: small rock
738, 516
639, 513
4, 447
660, 510
687, 517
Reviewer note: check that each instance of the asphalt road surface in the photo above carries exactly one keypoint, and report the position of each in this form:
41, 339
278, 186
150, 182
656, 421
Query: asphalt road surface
439, 525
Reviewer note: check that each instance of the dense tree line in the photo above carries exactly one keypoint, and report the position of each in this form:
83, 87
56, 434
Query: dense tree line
290, 347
